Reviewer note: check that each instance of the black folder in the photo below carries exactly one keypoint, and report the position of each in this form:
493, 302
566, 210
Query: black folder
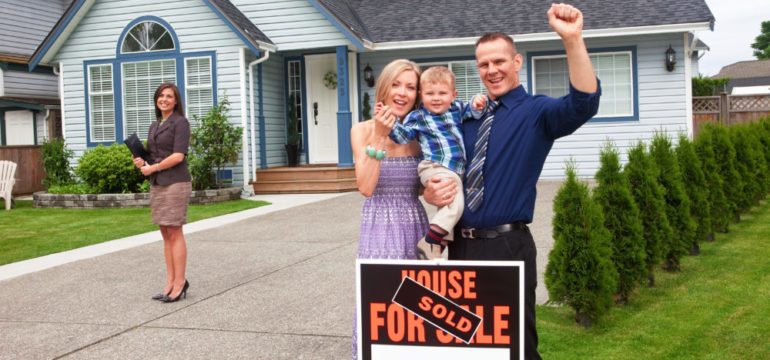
136, 147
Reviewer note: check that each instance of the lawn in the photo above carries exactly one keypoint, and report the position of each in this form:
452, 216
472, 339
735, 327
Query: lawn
718, 307
28, 232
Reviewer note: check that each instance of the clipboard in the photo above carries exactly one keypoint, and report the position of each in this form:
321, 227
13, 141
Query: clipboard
136, 147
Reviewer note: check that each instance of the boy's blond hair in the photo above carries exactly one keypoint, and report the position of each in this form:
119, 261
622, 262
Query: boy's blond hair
438, 75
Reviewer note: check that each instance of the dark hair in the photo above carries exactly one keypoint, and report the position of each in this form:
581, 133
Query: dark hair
177, 108
492, 36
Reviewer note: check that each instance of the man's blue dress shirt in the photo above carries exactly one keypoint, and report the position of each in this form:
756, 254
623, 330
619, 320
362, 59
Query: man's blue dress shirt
522, 134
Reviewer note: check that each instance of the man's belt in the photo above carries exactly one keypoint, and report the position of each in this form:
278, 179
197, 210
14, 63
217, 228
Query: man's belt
492, 232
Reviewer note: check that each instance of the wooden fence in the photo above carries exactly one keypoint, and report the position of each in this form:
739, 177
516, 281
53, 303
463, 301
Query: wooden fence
29, 170
729, 109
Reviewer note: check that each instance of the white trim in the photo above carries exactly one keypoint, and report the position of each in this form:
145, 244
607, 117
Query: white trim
2, 83
197, 87
688, 86
598, 53
61, 99
146, 50
244, 133
91, 136
519, 38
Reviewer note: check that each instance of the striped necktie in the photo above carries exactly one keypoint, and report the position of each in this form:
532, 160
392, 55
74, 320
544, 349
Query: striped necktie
474, 179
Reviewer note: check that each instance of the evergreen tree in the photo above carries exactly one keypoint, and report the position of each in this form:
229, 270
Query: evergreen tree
760, 150
761, 43
579, 271
718, 204
697, 189
622, 219
743, 164
724, 154
677, 202
649, 196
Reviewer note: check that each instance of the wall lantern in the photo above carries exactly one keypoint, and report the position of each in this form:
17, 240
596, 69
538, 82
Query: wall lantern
368, 75
670, 58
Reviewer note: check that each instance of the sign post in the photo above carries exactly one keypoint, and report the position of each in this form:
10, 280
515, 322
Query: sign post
409, 309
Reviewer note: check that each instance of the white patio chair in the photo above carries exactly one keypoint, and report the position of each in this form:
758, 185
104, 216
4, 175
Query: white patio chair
7, 179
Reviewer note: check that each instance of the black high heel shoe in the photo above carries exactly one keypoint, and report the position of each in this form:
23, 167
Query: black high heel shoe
160, 296
167, 299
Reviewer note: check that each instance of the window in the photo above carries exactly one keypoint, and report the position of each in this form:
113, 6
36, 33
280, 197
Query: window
147, 36
294, 73
101, 103
614, 69
467, 80
199, 88
140, 79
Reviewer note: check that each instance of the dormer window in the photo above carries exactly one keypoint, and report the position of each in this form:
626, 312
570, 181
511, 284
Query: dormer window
147, 36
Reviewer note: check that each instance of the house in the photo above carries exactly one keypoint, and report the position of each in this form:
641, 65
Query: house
747, 77
29, 101
110, 55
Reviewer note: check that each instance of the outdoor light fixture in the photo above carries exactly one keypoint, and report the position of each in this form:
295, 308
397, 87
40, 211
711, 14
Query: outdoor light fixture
670, 58
368, 75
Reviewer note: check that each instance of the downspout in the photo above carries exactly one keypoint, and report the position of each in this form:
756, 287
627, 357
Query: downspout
59, 70
264, 58
246, 191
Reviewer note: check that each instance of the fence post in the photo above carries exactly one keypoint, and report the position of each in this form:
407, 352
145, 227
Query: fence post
724, 109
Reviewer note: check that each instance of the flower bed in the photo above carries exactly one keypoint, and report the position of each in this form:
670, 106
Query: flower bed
89, 201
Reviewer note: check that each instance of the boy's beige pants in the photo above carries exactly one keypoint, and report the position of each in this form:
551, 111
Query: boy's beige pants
447, 216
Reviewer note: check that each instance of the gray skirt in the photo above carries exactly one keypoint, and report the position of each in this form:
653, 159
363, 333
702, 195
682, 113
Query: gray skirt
169, 203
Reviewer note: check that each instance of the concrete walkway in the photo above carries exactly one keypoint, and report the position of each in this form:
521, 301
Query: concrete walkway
272, 284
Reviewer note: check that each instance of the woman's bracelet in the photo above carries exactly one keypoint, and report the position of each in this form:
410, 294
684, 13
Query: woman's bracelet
375, 154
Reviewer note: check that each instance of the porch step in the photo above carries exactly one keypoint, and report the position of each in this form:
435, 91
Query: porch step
305, 179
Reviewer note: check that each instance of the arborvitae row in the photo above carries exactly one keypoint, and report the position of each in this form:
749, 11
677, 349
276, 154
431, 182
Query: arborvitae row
677, 202
755, 132
642, 175
697, 190
748, 153
724, 153
622, 219
743, 163
579, 271
718, 204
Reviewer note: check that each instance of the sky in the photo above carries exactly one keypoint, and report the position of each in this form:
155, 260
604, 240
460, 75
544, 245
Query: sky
737, 23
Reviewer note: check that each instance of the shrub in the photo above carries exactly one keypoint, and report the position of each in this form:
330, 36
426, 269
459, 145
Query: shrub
724, 154
109, 169
215, 143
718, 204
649, 196
622, 219
756, 135
704, 86
579, 271
677, 202
79, 188
748, 165
56, 162
697, 189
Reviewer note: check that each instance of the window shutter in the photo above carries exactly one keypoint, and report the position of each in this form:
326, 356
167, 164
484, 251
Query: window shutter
467, 80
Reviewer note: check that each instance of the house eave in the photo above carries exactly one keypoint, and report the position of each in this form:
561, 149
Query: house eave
522, 38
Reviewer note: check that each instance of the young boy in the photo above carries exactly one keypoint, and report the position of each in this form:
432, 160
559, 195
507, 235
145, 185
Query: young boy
436, 125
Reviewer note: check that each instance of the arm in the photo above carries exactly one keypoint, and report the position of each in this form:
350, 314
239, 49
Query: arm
404, 133
439, 192
567, 21
368, 169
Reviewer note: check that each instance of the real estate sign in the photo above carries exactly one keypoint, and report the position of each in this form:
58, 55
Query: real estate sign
409, 309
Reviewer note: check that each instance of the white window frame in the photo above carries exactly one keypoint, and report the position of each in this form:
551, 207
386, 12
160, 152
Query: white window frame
124, 120
449, 64
188, 87
598, 53
289, 89
128, 33
91, 94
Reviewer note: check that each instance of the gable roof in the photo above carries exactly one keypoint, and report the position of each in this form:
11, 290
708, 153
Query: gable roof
253, 38
745, 69
23, 24
407, 20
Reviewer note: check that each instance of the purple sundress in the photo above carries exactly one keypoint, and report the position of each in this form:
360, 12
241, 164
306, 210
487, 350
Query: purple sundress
393, 218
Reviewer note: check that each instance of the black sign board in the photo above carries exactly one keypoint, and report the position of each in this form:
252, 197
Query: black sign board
411, 309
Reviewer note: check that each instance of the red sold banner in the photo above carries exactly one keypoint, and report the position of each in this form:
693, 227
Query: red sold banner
410, 309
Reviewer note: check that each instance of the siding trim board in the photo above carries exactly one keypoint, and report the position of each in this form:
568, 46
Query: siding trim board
531, 55
117, 84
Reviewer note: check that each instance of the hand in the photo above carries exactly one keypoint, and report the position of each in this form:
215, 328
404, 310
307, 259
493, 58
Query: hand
440, 191
383, 121
565, 20
147, 170
139, 162
378, 106
479, 102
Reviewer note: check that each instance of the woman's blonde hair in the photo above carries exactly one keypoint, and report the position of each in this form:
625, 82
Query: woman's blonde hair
389, 74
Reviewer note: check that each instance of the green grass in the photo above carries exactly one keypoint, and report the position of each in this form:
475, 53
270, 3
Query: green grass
27, 232
718, 307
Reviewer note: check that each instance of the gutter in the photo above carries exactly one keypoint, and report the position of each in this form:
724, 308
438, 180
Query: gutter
253, 176
59, 71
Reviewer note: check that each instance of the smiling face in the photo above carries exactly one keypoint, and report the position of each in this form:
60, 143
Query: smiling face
402, 93
437, 96
166, 102
499, 66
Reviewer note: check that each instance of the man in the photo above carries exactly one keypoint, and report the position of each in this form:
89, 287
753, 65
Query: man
506, 161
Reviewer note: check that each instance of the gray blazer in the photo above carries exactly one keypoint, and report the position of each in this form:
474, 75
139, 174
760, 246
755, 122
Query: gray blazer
173, 136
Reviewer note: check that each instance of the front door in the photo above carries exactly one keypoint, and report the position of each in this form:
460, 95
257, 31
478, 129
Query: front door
321, 108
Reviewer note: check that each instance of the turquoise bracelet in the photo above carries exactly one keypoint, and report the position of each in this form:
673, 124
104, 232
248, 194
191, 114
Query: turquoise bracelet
374, 153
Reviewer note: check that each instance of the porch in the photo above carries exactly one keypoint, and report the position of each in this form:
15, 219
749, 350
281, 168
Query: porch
303, 179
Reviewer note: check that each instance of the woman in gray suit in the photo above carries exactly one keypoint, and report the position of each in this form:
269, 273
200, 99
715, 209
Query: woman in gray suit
168, 141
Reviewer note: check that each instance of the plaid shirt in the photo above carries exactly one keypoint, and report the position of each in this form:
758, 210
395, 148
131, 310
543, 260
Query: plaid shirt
440, 136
